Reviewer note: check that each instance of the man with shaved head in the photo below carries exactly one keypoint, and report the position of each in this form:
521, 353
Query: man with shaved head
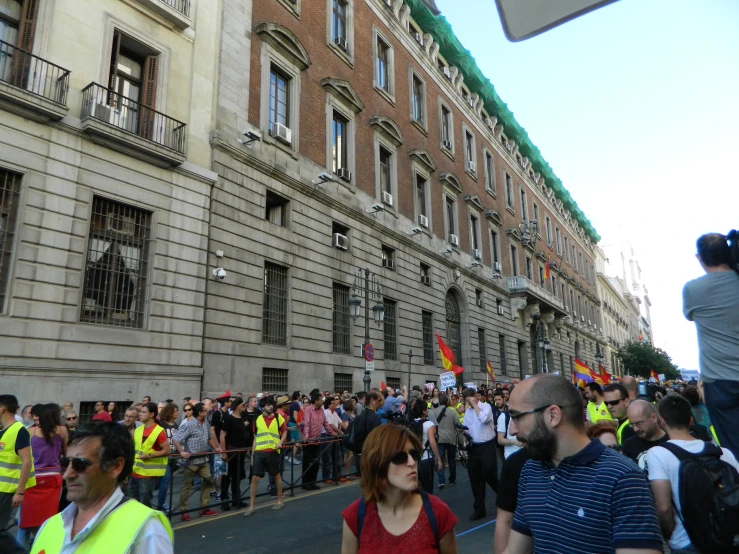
601, 497
645, 422
629, 384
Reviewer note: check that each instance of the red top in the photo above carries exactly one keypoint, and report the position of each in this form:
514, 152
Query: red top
102, 416
419, 539
268, 422
157, 447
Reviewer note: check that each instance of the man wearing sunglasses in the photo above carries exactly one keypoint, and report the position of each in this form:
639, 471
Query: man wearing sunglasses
617, 401
99, 458
601, 497
71, 421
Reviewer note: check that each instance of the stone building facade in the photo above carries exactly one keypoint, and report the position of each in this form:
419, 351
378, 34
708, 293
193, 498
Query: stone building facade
345, 140
105, 183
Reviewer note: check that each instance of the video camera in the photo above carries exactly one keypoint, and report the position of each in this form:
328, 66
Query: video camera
733, 238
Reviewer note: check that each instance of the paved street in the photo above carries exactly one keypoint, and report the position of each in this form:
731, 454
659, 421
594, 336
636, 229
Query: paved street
312, 522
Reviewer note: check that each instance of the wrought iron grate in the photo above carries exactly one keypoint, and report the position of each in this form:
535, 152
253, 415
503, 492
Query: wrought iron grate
343, 382
10, 188
274, 314
341, 326
428, 337
274, 380
390, 330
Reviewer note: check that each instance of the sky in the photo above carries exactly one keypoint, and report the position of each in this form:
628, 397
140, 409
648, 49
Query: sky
635, 107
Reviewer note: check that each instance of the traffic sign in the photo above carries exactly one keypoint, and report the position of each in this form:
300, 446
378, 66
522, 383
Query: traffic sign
369, 366
369, 352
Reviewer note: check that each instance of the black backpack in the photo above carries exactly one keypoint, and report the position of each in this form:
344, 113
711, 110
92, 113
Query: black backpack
709, 499
355, 434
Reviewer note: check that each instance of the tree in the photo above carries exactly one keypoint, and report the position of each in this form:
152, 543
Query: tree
639, 358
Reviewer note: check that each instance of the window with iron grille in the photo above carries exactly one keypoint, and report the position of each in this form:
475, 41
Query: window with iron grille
501, 345
116, 267
428, 337
390, 331
341, 326
10, 188
343, 382
483, 350
274, 380
274, 314
393, 382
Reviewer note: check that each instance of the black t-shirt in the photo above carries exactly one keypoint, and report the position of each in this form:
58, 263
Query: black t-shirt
236, 432
22, 440
170, 431
507, 496
250, 418
636, 448
627, 433
217, 422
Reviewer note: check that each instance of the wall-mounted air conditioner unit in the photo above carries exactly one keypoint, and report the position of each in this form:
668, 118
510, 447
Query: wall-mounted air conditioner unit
426, 280
423, 221
453, 240
344, 174
447, 144
388, 263
471, 166
446, 72
498, 266
341, 241
500, 310
419, 38
477, 254
341, 43
387, 198
281, 133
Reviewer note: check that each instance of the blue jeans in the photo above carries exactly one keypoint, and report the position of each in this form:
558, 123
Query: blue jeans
145, 489
451, 456
722, 400
330, 463
164, 487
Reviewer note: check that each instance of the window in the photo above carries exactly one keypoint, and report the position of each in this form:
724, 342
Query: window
528, 269
421, 206
415, 33
389, 330
524, 206
580, 264
383, 65
343, 382
393, 382
514, 261
508, 191
10, 15
341, 323
10, 188
274, 312
559, 241
338, 19
276, 209
451, 215
548, 229
474, 233
274, 379
339, 143
418, 100
494, 246
428, 337
446, 129
554, 285
386, 183
478, 298
388, 257
541, 276
481, 346
567, 250
279, 98
574, 257
501, 346
572, 301
117, 262
536, 213
342, 230
489, 172
564, 296
425, 274
469, 147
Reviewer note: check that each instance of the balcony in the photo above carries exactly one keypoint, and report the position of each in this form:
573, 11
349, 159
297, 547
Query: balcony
130, 127
521, 286
177, 12
30, 86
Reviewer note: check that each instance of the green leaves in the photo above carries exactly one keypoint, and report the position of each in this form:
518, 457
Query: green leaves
641, 357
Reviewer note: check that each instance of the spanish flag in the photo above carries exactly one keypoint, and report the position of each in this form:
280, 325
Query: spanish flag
653, 375
546, 268
447, 357
490, 372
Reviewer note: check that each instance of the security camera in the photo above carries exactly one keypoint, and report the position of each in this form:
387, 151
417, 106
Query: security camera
219, 273
251, 136
415, 231
323, 176
376, 207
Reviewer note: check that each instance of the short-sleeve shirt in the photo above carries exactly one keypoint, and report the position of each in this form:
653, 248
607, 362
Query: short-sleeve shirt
236, 431
419, 539
598, 495
636, 448
22, 440
510, 475
102, 416
508, 449
268, 422
157, 447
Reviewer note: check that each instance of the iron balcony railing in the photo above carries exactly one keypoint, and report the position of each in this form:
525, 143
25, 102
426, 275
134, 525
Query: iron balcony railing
182, 6
33, 74
133, 117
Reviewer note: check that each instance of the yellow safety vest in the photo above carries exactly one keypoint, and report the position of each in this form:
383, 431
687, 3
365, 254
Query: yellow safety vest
114, 535
621, 430
596, 413
153, 467
267, 438
10, 462
715, 436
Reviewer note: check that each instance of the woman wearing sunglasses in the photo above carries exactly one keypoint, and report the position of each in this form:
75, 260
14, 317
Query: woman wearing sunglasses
187, 410
393, 515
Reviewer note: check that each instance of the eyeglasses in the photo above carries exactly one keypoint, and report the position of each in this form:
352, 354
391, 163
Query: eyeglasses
79, 465
516, 416
635, 424
613, 402
401, 458
71, 418
188, 409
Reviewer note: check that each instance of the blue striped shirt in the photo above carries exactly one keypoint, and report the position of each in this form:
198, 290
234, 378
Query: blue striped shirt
595, 501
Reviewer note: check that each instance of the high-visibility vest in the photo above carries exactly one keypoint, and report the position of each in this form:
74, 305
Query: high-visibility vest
11, 463
114, 535
596, 413
715, 436
621, 430
153, 467
267, 438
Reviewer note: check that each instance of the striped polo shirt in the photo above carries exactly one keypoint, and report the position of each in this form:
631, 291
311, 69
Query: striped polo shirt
593, 502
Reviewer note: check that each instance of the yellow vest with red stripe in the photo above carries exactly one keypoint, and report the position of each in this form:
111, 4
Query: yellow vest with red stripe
153, 467
267, 438
11, 464
114, 535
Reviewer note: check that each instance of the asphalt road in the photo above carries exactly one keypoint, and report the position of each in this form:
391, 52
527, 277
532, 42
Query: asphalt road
311, 522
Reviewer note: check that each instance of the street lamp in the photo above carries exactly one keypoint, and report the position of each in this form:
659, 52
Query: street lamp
598, 355
366, 282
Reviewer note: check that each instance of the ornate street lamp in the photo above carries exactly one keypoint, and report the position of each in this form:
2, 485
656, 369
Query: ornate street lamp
366, 282
598, 355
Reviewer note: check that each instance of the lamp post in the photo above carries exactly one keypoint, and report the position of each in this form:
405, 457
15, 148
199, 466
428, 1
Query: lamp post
366, 282
542, 346
598, 355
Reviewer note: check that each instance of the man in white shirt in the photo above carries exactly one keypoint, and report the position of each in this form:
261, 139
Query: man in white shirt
482, 464
664, 468
509, 443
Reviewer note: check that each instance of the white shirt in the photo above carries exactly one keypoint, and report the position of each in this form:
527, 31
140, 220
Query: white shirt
663, 465
481, 427
508, 449
427, 452
152, 537
333, 418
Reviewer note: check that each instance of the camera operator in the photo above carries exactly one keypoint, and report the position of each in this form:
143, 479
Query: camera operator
482, 465
712, 302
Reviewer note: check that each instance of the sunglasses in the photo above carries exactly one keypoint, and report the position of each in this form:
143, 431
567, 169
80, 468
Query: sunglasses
79, 465
188, 409
71, 418
401, 458
613, 402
